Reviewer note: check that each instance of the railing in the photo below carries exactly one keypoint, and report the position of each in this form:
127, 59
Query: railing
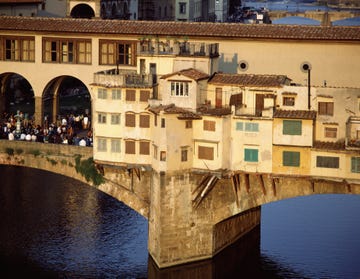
120, 78
153, 47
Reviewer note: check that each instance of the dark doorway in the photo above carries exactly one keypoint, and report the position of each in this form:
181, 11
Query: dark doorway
82, 11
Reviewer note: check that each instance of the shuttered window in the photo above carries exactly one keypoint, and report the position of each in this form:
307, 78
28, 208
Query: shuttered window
355, 164
327, 162
115, 145
130, 147
326, 108
144, 147
130, 120
209, 125
291, 158
144, 120
130, 95
292, 127
330, 132
206, 153
252, 127
251, 155
144, 95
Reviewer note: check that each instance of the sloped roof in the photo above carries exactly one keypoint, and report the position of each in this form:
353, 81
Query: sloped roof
176, 28
249, 80
190, 73
20, 1
326, 145
297, 114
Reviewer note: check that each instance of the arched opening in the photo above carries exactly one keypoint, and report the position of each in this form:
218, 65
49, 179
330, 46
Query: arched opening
66, 97
82, 11
16, 97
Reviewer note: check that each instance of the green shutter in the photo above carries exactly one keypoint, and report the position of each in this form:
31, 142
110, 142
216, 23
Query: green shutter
292, 127
251, 155
291, 159
239, 126
355, 164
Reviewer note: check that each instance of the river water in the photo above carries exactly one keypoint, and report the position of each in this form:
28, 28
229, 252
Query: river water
55, 227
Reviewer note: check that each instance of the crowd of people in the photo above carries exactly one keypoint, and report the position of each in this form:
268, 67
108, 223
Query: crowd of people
69, 129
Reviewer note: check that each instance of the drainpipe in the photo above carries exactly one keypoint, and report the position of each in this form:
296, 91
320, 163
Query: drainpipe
309, 95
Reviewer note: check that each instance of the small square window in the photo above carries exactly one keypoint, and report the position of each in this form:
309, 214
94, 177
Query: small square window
289, 101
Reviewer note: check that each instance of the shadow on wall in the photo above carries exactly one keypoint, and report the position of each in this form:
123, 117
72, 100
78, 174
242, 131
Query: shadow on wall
227, 65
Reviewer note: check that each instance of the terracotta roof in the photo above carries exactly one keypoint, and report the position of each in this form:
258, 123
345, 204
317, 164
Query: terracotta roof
190, 73
172, 109
205, 110
329, 145
172, 28
297, 114
249, 80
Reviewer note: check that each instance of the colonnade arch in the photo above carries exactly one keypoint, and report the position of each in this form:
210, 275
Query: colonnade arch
82, 11
16, 95
65, 95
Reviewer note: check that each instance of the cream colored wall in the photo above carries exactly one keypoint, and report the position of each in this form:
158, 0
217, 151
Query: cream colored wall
187, 102
305, 160
346, 104
260, 140
301, 97
341, 172
305, 139
329, 60
213, 139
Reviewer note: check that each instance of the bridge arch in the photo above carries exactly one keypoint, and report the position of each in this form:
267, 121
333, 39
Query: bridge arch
65, 95
82, 11
16, 94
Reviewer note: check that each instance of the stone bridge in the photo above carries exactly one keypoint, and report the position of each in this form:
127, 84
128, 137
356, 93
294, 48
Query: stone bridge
192, 215
326, 18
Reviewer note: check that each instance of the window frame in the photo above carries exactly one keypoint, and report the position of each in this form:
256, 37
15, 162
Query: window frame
325, 162
292, 127
355, 164
21, 48
291, 158
179, 88
326, 108
121, 52
251, 155
206, 153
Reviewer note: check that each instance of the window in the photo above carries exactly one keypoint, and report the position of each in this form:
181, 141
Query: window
144, 120
102, 93
130, 120
326, 108
291, 158
289, 101
209, 125
115, 119
239, 126
327, 162
355, 164
117, 52
252, 127
144, 147
130, 147
101, 145
292, 127
330, 132
130, 95
251, 155
188, 124
206, 153
182, 8
63, 50
184, 155
162, 122
162, 155
115, 146
179, 88
144, 95
116, 94
101, 118
155, 150
17, 49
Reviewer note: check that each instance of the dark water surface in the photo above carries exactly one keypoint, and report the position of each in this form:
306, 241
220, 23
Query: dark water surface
55, 227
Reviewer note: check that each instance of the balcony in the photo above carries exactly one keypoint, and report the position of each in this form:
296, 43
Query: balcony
121, 78
353, 132
154, 47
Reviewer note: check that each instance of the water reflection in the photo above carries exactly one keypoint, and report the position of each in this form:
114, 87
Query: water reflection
55, 227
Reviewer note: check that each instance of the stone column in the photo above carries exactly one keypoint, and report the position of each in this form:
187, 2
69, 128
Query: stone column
38, 111
181, 231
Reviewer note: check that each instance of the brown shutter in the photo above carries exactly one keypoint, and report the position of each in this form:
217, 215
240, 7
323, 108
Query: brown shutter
144, 95
144, 121
145, 147
130, 95
130, 120
206, 153
130, 147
